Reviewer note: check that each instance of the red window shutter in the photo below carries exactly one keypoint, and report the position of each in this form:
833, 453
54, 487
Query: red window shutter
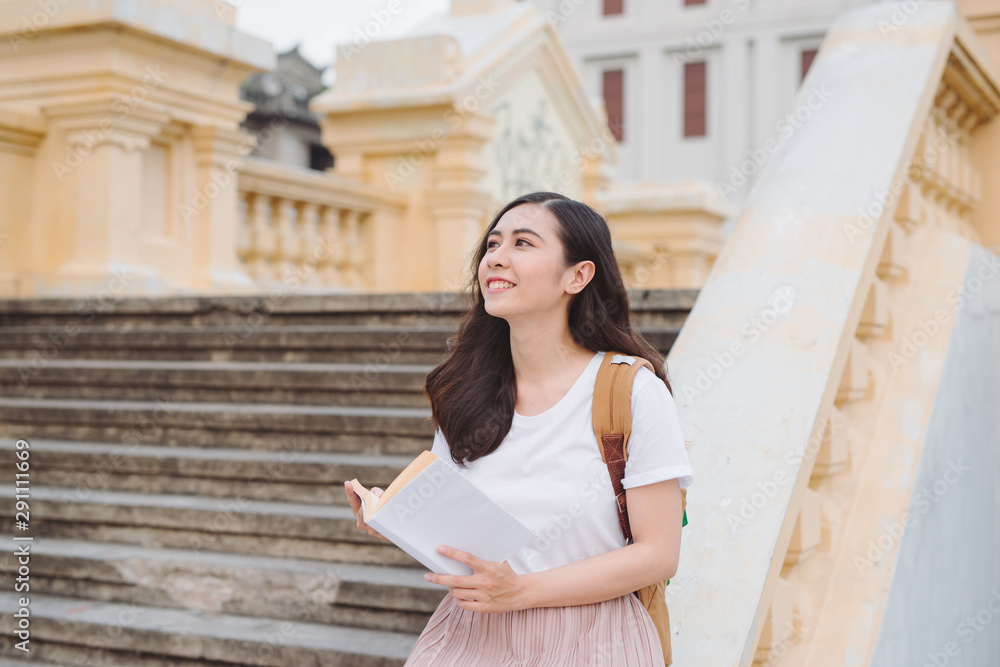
612, 7
693, 2
807, 61
694, 99
614, 93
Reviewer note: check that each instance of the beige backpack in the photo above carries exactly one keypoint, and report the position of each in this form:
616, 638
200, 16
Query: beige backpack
612, 425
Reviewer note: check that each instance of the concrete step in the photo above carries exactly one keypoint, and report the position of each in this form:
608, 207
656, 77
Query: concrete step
375, 597
66, 630
234, 525
265, 426
277, 309
395, 385
658, 307
660, 337
378, 345
289, 476
188, 455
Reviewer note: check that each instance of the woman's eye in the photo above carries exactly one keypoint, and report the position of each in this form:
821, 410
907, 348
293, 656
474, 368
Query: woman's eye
489, 244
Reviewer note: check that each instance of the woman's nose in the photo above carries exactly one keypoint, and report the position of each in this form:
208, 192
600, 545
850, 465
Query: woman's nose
498, 257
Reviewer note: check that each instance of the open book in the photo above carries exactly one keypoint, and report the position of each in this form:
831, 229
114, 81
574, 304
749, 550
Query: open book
430, 503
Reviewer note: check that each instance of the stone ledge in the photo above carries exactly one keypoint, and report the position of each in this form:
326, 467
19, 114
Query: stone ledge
200, 635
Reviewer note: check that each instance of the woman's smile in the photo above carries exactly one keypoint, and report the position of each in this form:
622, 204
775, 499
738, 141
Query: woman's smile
497, 285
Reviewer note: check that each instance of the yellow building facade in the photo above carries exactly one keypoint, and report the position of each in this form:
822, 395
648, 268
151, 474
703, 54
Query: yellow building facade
124, 168
840, 357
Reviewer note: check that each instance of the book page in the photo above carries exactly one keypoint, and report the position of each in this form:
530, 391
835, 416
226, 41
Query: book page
371, 503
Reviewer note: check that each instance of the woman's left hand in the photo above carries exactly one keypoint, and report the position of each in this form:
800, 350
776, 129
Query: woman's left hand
492, 587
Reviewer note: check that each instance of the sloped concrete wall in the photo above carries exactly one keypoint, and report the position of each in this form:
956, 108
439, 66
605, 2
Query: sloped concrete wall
943, 607
767, 388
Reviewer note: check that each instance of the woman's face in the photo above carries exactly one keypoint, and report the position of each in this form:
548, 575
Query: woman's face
522, 271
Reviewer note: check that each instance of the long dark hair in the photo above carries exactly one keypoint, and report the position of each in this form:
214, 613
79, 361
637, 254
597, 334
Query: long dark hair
472, 392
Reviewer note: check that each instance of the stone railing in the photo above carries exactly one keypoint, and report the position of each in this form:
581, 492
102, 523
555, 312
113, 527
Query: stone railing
666, 235
820, 373
309, 229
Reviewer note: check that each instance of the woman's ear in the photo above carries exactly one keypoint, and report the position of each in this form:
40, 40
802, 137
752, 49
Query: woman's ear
582, 273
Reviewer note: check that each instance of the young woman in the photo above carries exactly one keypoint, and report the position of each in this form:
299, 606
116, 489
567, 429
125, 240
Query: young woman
512, 408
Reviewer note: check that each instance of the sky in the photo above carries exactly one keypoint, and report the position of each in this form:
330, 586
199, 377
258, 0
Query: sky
317, 25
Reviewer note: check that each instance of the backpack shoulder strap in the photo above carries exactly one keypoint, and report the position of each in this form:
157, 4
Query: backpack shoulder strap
612, 413
612, 417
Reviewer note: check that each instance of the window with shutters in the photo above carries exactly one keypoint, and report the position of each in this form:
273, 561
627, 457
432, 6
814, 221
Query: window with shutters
694, 99
612, 7
614, 98
807, 60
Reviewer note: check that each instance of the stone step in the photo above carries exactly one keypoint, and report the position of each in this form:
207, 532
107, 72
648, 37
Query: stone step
66, 630
187, 461
285, 309
395, 385
34, 346
660, 307
235, 525
266, 426
376, 597
291, 476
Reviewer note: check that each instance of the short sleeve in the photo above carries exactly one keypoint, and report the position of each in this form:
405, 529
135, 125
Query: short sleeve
656, 445
440, 447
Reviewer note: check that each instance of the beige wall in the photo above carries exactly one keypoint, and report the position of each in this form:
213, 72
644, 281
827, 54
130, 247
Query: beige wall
984, 18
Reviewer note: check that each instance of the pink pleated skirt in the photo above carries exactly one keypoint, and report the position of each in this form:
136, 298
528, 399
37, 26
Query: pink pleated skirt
613, 633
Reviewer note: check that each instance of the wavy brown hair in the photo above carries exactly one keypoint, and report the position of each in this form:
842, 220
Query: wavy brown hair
472, 392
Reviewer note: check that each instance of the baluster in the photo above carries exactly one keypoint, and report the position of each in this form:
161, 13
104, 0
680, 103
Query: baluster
287, 241
310, 251
353, 250
262, 239
244, 242
332, 251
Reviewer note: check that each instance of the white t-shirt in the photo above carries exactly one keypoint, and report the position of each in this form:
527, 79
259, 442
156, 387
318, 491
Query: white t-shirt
548, 470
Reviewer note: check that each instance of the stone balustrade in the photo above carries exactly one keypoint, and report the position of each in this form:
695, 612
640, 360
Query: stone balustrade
310, 229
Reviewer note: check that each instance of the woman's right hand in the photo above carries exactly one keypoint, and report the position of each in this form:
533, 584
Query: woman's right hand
355, 500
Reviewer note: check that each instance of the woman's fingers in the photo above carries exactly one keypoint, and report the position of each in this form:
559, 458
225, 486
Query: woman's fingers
352, 497
355, 500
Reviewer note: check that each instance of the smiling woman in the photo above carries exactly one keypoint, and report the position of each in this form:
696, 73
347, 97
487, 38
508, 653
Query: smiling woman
512, 405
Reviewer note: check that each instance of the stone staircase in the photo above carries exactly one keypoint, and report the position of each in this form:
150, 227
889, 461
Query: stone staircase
186, 464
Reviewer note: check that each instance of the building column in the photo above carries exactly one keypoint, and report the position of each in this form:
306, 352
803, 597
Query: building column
650, 83
457, 205
20, 138
213, 208
89, 196
735, 130
766, 89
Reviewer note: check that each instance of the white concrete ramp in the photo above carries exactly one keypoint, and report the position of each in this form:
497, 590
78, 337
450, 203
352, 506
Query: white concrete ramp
811, 370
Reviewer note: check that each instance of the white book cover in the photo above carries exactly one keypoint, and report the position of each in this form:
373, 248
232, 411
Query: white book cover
430, 503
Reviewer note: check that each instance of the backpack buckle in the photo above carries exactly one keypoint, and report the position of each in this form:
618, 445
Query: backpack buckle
622, 359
